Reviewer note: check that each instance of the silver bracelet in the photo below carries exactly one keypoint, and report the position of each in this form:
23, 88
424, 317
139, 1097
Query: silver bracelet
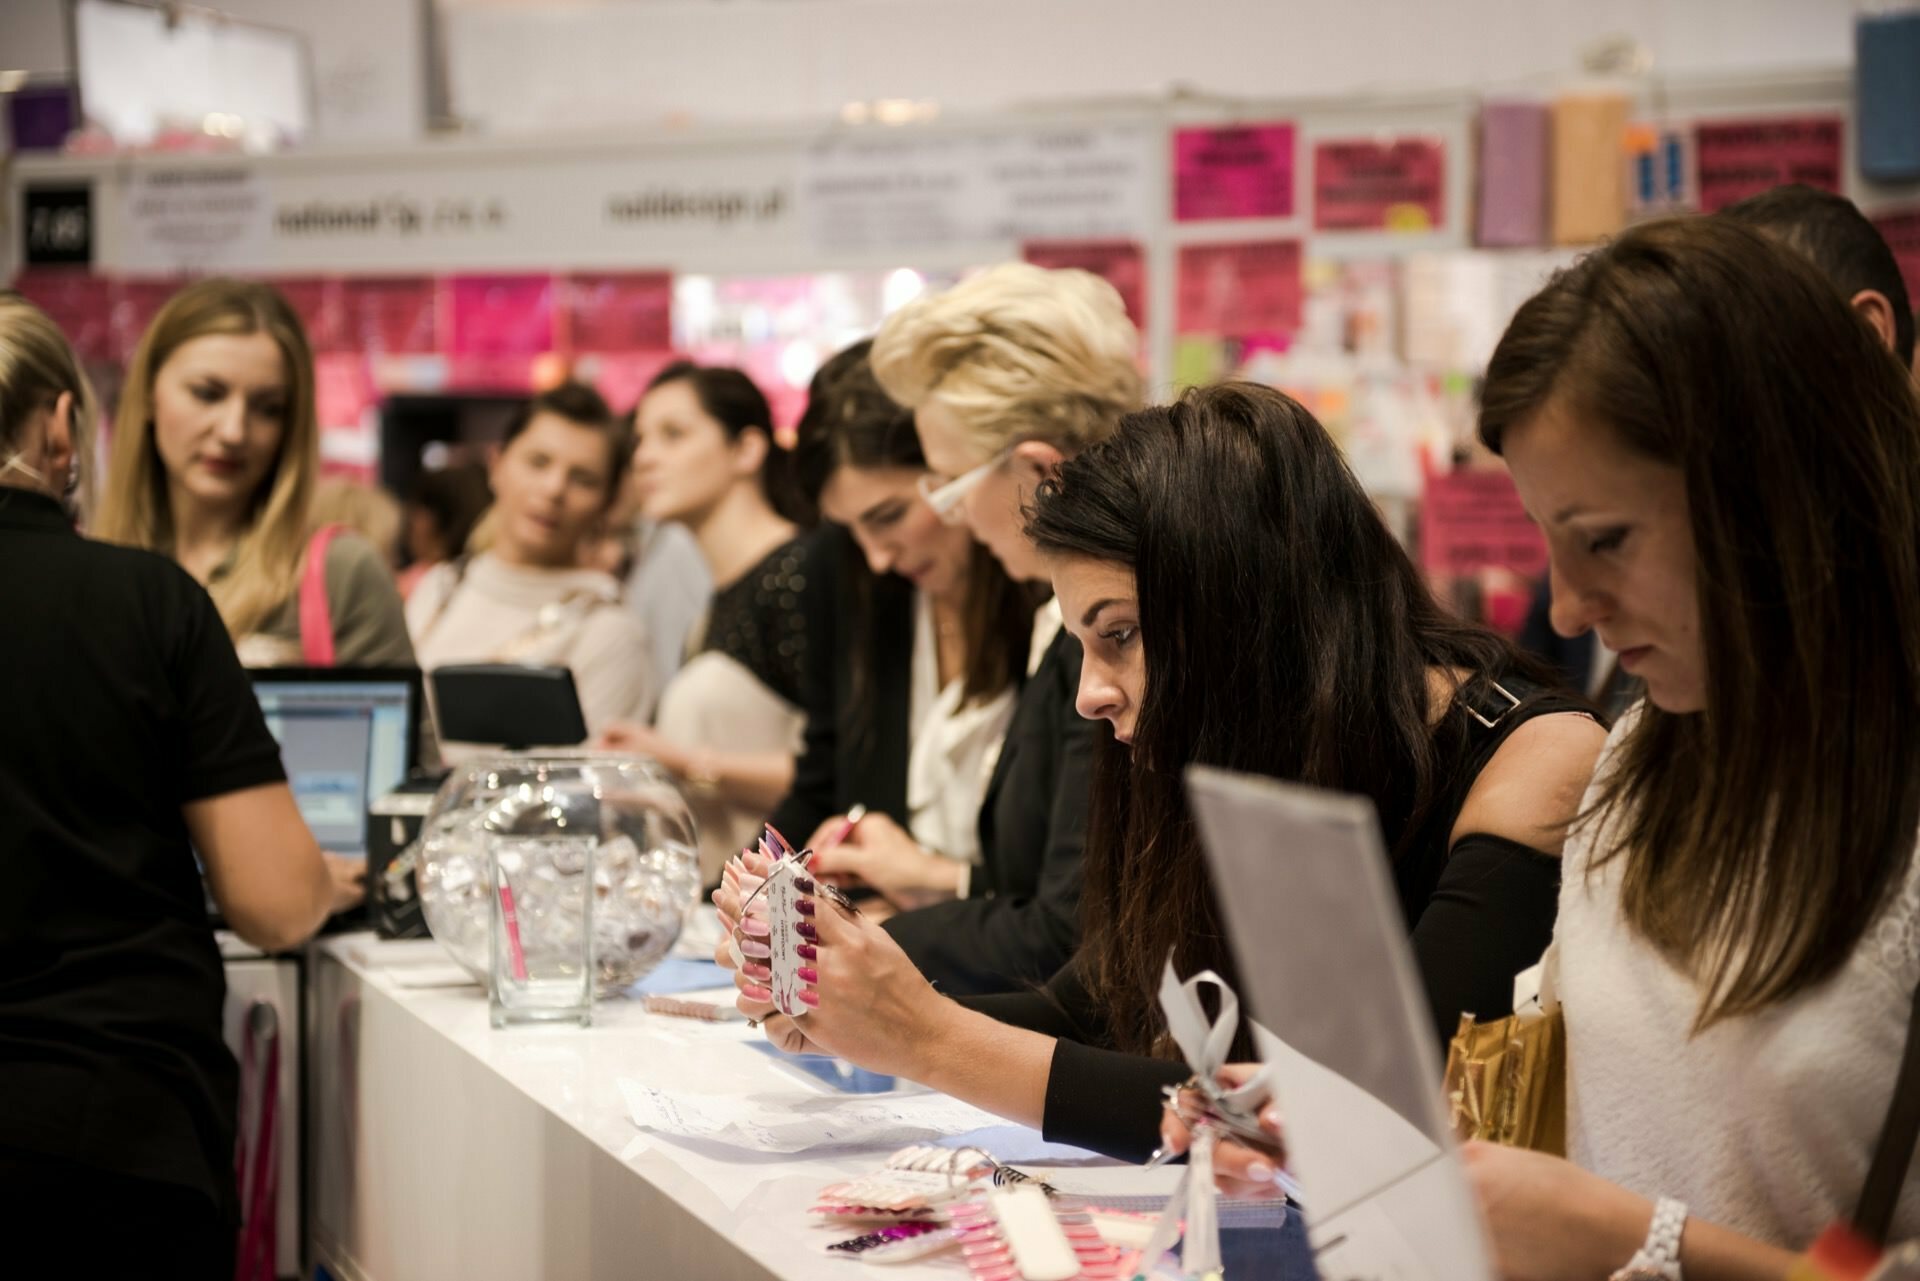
1659, 1257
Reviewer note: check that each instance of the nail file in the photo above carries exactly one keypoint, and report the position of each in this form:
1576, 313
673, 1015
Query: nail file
1040, 1247
782, 898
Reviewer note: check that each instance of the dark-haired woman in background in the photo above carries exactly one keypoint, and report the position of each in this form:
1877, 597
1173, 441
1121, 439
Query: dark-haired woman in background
729, 722
915, 641
1241, 605
523, 598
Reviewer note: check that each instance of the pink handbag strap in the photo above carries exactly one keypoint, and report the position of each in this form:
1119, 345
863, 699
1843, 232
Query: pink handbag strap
316, 612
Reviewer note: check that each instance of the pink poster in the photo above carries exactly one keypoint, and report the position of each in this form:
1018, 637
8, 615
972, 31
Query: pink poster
1118, 262
317, 299
500, 315
389, 314
1240, 171
1360, 185
1741, 158
1245, 290
78, 301
619, 311
343, 389
1901, 227
1471, 519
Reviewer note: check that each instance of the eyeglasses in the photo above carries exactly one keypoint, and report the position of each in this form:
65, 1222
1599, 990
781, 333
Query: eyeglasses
945, 498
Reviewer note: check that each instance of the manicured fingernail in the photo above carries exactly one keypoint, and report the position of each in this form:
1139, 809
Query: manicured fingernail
809, 997
1260, 1172
806, 931
754, 992
1270, 1118
756, 949
806, 952
756, 926
727, 923
754, 970
807, 974
804, 906
802, 884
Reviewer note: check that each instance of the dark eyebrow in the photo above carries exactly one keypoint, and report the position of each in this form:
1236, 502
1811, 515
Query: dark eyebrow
1093, 610
868, 514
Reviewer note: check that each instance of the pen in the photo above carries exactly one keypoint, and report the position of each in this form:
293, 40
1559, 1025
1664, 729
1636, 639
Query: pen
511, 920
846, 827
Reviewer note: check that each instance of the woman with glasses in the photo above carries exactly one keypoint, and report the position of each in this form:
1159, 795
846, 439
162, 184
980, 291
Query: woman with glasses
1008, 375
917, 642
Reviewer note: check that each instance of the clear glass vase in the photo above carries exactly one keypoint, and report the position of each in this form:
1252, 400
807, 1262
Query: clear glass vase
616, 820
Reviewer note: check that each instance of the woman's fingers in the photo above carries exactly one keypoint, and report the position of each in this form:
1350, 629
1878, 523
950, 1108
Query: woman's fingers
1244, 1172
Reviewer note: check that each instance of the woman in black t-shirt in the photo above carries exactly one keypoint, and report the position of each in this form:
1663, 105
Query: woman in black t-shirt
132, 739
1240, 604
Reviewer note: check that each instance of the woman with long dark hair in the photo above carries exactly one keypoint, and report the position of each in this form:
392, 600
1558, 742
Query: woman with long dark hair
1240, 604
915, 640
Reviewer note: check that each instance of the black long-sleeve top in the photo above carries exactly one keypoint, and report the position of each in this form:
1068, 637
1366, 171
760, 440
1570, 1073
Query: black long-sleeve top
1486, 914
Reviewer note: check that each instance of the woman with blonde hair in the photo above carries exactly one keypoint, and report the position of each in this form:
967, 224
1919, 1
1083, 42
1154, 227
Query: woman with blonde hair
215, 459
135, 742
1008, 374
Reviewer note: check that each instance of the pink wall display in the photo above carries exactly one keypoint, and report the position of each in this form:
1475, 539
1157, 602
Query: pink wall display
1363, 185
1246, 290
499, 315
1121, 263
1741, 158
1236, 171
617, 311
1472, 519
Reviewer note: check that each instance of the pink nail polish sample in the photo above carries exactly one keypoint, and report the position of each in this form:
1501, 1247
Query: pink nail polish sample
755, 926
806, 931
806, 952
804, 906
810, 998
754, 992
807, 974
755, 948
756, 971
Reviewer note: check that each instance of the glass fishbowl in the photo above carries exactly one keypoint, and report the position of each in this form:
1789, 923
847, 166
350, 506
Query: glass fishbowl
621, 816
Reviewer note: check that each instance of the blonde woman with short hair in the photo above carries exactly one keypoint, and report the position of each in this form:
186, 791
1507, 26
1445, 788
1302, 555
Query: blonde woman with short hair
215, 460
1009, 374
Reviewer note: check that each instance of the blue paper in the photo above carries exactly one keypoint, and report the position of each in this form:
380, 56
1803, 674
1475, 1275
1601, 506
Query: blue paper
679, 974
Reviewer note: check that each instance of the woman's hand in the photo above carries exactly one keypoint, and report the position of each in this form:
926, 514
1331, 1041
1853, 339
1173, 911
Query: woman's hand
880, 853
873, 1007
1549, 1219
640, 740
349, 877
1239, 1169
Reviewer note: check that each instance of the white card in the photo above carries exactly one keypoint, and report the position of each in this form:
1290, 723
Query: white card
783, 938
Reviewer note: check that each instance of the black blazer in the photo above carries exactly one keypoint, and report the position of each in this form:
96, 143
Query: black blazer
1021, 919
856, 743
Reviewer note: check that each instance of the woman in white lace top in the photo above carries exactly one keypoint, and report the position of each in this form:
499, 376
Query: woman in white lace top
1727, 468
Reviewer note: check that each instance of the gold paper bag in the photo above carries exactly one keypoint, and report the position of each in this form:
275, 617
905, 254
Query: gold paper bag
1507, 1079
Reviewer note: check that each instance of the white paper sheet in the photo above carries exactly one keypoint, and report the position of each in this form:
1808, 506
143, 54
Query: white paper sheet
801, 1120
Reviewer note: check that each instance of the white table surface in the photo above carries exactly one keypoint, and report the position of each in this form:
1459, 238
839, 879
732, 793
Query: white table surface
429, 1121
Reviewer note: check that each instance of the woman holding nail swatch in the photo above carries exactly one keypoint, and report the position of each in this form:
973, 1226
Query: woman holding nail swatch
916, 638
1008, 374
1241, 605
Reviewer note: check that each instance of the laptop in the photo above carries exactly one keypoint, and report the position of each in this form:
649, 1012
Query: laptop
347, 736
1326, 969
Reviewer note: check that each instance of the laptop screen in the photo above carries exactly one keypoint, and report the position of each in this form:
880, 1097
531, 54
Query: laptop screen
346, 738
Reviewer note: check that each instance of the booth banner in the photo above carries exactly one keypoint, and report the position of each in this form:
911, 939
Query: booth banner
1246, 290
1472, 519
621, 311
452, 213
198, 219
1240, 171
135, 304
1741, 158
1121, 263
1901, 228
897, 190
317, 300
1360, 185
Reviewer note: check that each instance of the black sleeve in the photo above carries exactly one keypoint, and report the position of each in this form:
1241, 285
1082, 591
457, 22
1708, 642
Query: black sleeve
810, 801
225, 746
1490, 917
1097, 1098
994, 944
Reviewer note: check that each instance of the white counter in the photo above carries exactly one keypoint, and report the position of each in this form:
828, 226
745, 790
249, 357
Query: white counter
443, 1148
